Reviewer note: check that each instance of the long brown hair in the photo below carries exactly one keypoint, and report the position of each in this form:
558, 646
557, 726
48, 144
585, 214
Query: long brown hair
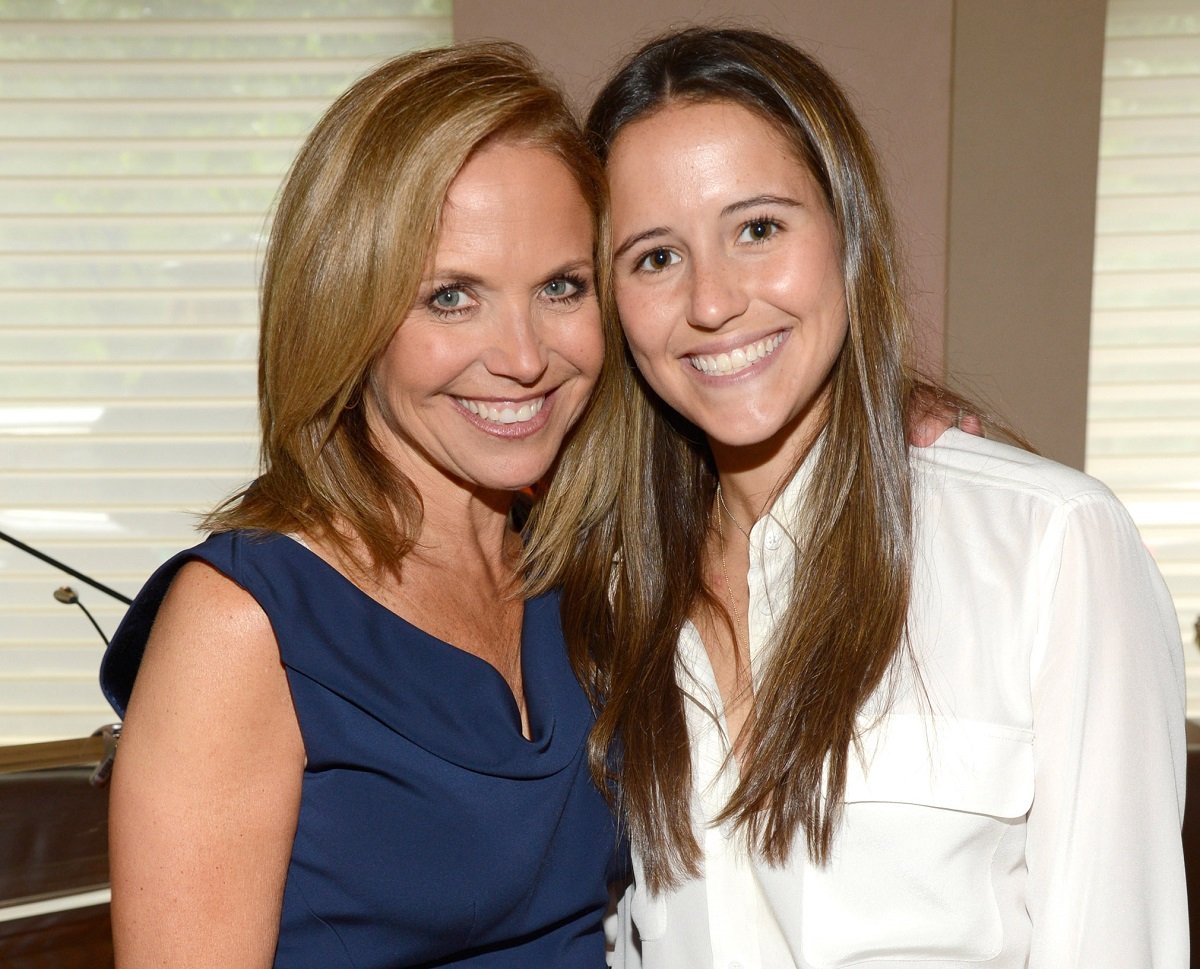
353, 230
625, 535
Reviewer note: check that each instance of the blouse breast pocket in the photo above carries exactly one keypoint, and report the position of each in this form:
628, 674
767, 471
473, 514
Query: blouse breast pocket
917, 861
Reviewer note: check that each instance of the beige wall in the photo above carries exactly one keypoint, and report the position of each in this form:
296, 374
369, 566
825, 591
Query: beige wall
961, 96
1024, 144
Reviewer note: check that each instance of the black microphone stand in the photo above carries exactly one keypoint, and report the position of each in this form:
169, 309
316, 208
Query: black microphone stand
66, 568
66, 595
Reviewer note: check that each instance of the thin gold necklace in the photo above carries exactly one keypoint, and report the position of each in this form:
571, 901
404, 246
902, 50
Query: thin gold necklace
736, 524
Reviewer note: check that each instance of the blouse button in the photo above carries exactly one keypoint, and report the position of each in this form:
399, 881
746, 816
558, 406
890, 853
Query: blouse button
773, 541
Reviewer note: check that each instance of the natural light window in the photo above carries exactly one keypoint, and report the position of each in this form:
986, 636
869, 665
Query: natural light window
143, 145
1144, 394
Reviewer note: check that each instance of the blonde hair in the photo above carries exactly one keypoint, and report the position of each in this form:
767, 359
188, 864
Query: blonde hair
355, 224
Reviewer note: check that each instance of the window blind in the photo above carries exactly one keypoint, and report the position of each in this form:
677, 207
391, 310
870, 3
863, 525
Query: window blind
143, 146
1144, 384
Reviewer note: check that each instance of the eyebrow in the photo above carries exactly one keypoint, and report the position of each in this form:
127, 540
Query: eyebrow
574, 266
632, 241
752, 203
733, 208
452, 276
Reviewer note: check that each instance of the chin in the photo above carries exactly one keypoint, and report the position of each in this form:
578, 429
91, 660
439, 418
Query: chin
772, 433
518, 479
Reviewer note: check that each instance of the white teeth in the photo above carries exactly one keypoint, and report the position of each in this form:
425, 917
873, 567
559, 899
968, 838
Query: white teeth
739, 359
503, 415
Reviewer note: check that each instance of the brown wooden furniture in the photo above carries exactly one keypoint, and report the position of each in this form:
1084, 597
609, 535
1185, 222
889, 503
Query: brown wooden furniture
53, 839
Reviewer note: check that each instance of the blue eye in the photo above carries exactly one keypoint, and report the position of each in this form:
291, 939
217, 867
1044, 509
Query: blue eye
566, 290
656, 260
759, 230
449, 299
560, 288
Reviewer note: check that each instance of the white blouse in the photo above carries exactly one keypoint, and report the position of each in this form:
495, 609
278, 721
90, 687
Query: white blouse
1018, 802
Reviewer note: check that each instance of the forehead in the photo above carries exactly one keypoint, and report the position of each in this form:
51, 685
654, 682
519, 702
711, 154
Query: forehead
698, 149
509, 198
508, 174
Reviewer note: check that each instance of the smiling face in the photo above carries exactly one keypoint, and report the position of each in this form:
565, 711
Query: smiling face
728, 275
494, 362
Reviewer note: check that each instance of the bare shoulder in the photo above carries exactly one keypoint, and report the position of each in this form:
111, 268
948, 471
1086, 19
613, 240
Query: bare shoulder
212, 663
206, 786
203, 603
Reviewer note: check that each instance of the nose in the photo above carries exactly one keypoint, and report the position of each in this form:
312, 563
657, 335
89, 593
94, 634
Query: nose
717, 294
518, 352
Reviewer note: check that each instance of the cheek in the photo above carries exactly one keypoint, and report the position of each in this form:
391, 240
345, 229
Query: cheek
591, 346
642, 321
388, 371
656, 367
386, 402
578, 341
827, 351
442, 352
806, 287
832, 286
417, 366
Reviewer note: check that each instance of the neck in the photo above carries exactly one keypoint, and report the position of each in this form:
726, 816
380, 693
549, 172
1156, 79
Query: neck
748, 485
467, 529
752, 475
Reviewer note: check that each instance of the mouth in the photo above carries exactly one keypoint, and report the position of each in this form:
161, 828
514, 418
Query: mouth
737, 359
504, 412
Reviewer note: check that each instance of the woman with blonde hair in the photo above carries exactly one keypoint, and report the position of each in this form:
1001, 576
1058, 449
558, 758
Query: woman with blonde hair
862, 704
349, 740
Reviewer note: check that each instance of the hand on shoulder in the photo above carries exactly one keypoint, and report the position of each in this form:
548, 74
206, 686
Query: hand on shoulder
932, 412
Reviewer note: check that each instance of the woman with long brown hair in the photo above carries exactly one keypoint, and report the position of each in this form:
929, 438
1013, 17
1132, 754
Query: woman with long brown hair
861, 705
349, 739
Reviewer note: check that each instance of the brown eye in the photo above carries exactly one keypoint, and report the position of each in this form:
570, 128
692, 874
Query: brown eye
657, 260
758, 230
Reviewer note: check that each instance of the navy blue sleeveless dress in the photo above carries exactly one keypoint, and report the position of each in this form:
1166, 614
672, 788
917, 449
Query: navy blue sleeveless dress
431, 832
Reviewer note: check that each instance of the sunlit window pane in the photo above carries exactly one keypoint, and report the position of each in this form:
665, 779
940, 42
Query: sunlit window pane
1144, 392
144, 143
